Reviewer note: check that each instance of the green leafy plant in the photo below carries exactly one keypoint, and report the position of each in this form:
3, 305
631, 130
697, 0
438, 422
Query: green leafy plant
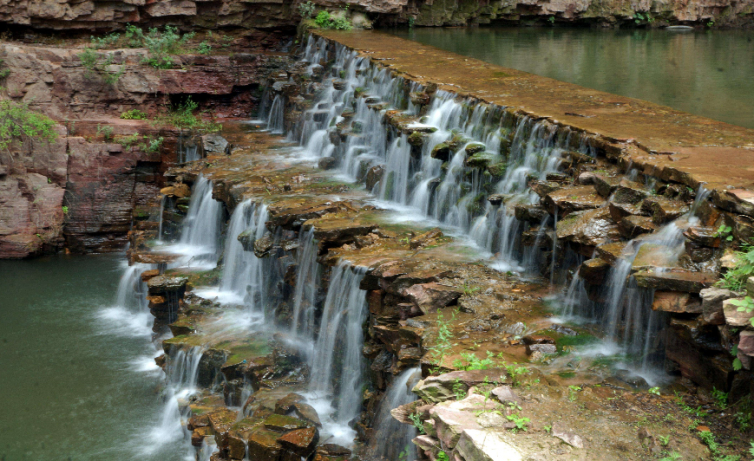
182, 116
459, 389
306, 10
19, 123
151, 145
671, 456
520, 422
106, 131
572, 390
548, 428
443, 343
469, 290
475, 363
417, 422
515, 372
664, 440
204, 48
721, 398
744, 305
133, 114
736, 277
128, 141
4, 73
551, 19
411, 21
708, 438
654, 390
65, 209
159, 44
105, 41
325, 21
724, 231
97, 64
442, 456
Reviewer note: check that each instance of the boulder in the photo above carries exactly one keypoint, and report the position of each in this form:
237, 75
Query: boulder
529, 213
300, 441
179, 191
593, 271
283, 423
327, 163
263, 444
215, 144
164, 285
481, 445
663, 209
429, 297
442, 152
307, 413
632, 226
481, 160
712, 304
676, 302
374, 176
589, 228
675, 280
570, 199
705, 236
734, 317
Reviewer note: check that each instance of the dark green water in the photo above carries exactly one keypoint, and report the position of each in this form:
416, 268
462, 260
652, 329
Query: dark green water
76, 380
709, 73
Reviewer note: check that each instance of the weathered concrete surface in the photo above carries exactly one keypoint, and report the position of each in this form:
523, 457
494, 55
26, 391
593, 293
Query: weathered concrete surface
660, 140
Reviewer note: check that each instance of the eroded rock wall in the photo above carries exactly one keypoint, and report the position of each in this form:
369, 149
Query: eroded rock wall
69, 15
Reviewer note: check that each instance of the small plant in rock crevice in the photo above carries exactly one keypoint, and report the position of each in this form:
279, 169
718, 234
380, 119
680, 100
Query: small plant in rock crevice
19, 123
96, 64
306, 10
417, 422
443, 343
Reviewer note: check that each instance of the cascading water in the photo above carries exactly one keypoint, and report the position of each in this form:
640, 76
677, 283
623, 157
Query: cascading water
201, 226
307, 285
337, 362
275, 119
392, 439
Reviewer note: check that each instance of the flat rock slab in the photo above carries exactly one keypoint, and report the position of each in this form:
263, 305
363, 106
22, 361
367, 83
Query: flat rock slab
686, 281
479, 445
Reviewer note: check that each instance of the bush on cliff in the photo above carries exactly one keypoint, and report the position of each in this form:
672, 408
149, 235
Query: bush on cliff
18, 122
160, 44
182, 116
325, 21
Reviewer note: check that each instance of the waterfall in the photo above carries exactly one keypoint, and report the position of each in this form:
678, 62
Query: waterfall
307, 285
392, 438
162, 211
276, 120
201, 226
337, 363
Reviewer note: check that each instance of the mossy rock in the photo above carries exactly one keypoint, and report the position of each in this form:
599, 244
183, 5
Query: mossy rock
497, 169
441, 152
481, 160
475, 148
282, 423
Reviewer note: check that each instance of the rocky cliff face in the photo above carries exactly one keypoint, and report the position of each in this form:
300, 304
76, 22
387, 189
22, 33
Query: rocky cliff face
87, 15
82, 190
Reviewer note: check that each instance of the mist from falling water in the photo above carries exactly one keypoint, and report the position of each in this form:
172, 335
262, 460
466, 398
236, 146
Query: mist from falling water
392, 438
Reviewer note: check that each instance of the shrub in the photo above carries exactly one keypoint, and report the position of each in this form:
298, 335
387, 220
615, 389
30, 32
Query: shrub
182, 116
306, 10
133, 114
94, 64
736, 277
106, 131
106, 41
18, 122
160, 44
324, 21
204, 48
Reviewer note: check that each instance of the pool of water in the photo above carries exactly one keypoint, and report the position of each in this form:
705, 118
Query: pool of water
709, 73
78, 380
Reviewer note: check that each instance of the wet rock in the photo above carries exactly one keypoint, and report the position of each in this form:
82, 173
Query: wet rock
426, 237
570, 199
746, 343
590, 228
262, 245
675, 280
693, 330
586, 178
618, 211
330, 449
705, 236
736, 200
537, 339
164, 285
283, 423
374, 176
440, 388
541, 349
529, 213
301, 442
307, 413
442, 152
430, 297
629, 192
544, 188
652, 255
178, 191
676, 302
605, 185
496, 199
733, 316
475, 148
285, 405
593, 271
327, 163
712, 304
633, 226
263, 445
481, 160
568, 437
215, 144
663, 210
701, 367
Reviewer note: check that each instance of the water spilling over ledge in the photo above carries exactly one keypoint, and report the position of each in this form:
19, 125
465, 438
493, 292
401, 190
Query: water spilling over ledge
473, 215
